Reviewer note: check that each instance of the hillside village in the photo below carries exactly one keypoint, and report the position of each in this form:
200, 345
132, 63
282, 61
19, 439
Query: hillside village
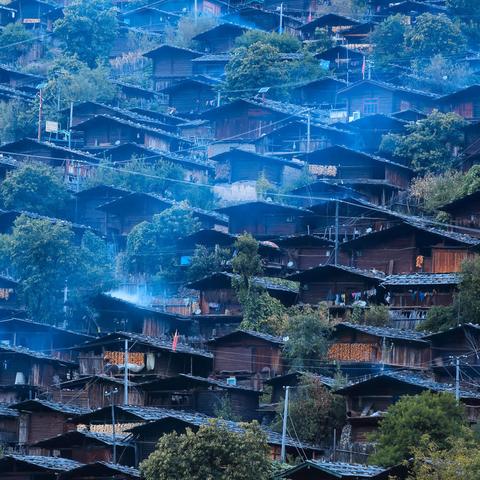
239, 239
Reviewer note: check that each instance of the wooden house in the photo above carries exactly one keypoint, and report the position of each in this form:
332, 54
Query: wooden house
171, 64
7, 15
267, 20
411, 296
250, 357
238, 165
192, 96
308, 195
368, 97
76, 166
127, 92
123, 213
369, 130
211, 65
410, 115
150, 18
25, 467
20, 80
9, 425
88, 392
411, 9
202, 395
220, 38
322, 92
250, 119
322, 470
41, 337
105, 131
31, 13
9, 94
148, 434
464, 211
194, 169
339, 286
24, 372
331, 22
217, 295
148, 357
358, 36
86, 447
120, 311
296, 137
410, 246
354, 343
41, 419
103, 471
345, 62
164, 117
210, 8
377, 178
368, 399
305, 251
265, 219
454, 342
464, 102
86, 203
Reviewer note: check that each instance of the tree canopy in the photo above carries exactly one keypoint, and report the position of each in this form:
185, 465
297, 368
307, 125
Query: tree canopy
35, 188
214, 452
88, 29
400, 431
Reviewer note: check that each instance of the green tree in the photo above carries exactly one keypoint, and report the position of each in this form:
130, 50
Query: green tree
377, 316
388, 40
432, 35
400, 431
150, 245
460, 461
214, 452
429, 144
439, 318
283, 42
467, 301
181, 35
466, 12
261, 312
251, 68
15, 41
204, 262
45, 258
88, 29
35, 188
314, 411
308, 331
17, 120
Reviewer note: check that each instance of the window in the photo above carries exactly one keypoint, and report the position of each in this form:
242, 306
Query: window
370, 105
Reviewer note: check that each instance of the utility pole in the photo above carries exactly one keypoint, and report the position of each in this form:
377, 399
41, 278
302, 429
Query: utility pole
284, 426
125, 375
40, 107
309, 129
336, 233
70, 126
195, 11
457, 379
280, 28
110, 394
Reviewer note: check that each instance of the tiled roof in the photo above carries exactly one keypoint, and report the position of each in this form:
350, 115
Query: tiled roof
154, 342
55, 464
251, 333
111, 467
372, 274
73, 436
390, 86
387, 332
198, 419
423, 279
339, 469
6, 411
417, 380
45, 326
35, 404
32, 354
256, 203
